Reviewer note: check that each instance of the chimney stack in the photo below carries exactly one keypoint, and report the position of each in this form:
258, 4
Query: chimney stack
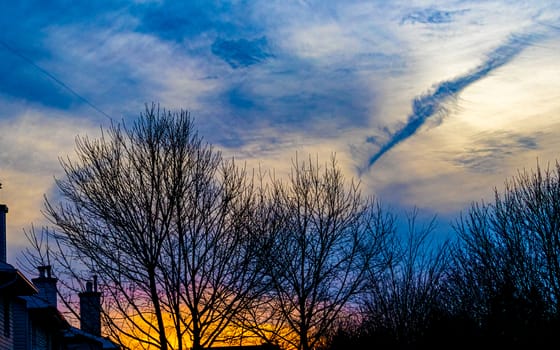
46, 284
3, 238
90, 309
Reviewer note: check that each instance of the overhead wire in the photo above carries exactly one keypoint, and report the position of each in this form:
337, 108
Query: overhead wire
52, 77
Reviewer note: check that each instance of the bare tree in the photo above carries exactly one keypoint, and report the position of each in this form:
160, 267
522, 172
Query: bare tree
506, 269
401, 301
163, 221
321, 238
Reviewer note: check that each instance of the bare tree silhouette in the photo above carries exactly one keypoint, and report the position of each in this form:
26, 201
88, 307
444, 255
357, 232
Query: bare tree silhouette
164, 222
506, 270
401, 302
321, 238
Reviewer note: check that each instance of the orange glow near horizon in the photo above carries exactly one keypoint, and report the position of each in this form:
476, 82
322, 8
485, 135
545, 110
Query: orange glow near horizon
135, 338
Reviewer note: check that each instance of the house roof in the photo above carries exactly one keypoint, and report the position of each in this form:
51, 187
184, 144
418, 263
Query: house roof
12, 281
49, 317
74, 334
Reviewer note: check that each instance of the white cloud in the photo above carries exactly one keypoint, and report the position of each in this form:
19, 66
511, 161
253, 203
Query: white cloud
500, 124
32, 142
130, 68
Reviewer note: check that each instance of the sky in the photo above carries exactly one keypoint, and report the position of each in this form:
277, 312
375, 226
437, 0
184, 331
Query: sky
429, 104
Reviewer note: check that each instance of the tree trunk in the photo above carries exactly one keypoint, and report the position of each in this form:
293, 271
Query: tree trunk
157, 309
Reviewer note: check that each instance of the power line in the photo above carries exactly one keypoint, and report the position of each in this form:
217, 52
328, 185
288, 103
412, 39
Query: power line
51, 76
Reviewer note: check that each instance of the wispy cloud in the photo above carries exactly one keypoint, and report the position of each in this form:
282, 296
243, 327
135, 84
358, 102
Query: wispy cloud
433, 103
31, 142
432, 16
489, 150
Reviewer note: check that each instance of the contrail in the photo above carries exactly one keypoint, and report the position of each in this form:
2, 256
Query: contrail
427, 105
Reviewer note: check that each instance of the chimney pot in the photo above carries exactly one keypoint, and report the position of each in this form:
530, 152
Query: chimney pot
46, 284
42, 270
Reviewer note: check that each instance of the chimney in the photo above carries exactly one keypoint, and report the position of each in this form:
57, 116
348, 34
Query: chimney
46, 284
3, 212
90, 309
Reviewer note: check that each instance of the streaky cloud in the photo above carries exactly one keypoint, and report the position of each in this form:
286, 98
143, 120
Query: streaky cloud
431, 16
490, 149
431, 104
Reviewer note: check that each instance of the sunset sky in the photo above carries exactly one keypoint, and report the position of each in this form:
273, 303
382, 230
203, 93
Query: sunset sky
430, 104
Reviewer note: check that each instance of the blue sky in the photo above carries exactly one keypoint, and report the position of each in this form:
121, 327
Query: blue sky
428, 103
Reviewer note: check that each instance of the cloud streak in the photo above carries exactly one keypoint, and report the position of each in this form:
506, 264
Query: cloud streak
432, 104
431, 16
489, 150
